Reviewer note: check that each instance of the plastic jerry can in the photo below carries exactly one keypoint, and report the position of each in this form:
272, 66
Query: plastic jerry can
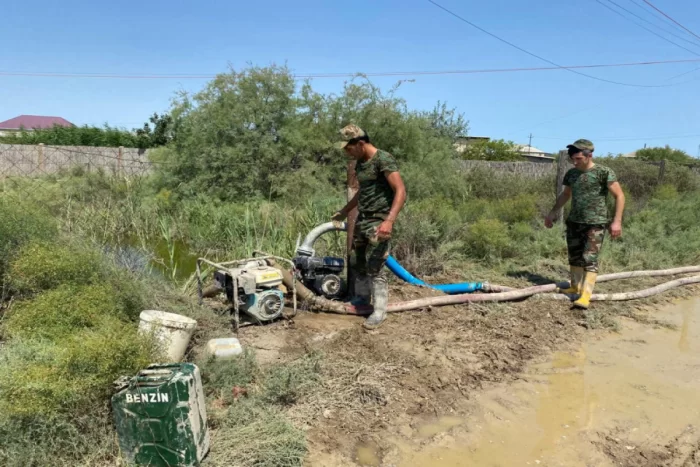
160, 416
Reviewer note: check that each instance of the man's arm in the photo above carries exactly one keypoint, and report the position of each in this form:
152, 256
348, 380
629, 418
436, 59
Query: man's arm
352, 204
619, 195
396, 184
563, 197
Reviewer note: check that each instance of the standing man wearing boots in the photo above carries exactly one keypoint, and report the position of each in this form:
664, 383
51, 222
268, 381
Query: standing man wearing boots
588, 185
379, 200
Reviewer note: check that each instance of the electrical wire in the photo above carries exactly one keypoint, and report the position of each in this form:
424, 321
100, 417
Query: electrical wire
540, 57
644, 27
584, 109
347, 75
674, 21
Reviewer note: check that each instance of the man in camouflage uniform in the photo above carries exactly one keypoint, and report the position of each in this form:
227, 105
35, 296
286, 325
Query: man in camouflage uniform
379, 200
588, 185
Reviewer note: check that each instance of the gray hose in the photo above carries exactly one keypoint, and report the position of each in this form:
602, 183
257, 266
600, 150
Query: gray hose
307, 246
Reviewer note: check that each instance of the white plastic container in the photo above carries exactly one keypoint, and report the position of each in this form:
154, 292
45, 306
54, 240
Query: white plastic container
174, 331
224, 348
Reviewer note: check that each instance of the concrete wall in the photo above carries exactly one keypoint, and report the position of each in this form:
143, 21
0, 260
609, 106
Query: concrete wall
34, 160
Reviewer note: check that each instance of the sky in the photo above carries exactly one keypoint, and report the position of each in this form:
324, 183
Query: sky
310, 37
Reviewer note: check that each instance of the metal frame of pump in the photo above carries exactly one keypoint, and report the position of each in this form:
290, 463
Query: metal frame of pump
228, 267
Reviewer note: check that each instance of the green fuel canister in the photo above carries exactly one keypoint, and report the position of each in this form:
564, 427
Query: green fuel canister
160, 416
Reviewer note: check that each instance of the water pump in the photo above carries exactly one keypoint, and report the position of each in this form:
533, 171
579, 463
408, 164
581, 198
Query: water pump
322, 274
254, 288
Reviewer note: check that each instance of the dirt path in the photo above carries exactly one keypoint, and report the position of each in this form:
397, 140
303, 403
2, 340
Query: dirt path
454, 386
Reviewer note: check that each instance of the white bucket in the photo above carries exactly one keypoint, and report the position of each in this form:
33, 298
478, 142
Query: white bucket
174, 331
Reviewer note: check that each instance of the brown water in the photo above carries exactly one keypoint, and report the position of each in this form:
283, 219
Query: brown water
632, 389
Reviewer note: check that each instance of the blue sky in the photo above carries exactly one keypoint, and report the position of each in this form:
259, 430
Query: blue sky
175, 37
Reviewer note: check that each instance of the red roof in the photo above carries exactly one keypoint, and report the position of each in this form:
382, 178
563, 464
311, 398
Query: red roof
33, 121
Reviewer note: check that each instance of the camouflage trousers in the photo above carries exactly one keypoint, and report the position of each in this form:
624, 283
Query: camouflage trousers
584, 242
369, 254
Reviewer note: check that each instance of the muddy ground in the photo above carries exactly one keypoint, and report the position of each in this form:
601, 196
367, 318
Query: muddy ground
428, 367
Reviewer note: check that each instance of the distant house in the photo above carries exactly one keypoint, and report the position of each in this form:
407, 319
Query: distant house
629, 155
463, 142
31, 122
533, 154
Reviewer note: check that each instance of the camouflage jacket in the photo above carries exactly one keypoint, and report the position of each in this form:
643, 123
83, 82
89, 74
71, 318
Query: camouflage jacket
589, 192
376, 195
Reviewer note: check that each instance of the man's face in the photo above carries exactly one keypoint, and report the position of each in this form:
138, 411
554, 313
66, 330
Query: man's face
354, 150
580, 160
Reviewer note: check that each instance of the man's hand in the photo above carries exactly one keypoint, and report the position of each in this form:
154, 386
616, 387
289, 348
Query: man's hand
616, 229
338, 219
549, 221
384, 230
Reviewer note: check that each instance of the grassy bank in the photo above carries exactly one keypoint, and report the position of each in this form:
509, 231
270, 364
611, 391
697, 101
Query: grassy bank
69, 306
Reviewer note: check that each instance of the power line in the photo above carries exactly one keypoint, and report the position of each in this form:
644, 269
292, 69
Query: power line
689, 41
584, 109
347, 75
538, 56
667, 16
644, 27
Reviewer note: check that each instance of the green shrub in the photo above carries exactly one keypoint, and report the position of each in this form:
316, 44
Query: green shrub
57, 313
520, 209
18, 226
488, 239
43, 266
666, 192
71, 376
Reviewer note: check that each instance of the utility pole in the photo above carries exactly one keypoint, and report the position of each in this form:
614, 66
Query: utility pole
529, 145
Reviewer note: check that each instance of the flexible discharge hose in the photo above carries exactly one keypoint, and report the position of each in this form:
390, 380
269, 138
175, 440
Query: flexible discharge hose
306, 248
322, 304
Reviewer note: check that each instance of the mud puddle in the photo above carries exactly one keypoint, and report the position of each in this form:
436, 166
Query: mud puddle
631, 398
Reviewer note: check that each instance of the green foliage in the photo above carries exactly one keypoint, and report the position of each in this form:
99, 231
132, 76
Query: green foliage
59, 312
492, 150
253, 134
488, 239
159, 135
77, 136
666, 192
43, 266
19, 226
666, 152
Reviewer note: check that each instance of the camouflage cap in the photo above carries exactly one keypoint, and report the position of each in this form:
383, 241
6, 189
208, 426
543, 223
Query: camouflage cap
349, 133
582, 144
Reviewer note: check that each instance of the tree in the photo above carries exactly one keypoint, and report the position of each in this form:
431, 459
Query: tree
668, 153
492, 150
75, 136
160, 135
256, 133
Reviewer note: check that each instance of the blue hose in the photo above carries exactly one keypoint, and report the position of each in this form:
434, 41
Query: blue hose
451, 289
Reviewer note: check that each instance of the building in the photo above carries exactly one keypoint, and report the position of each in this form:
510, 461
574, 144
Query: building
533, 154
463, 142
31, 122
629, 155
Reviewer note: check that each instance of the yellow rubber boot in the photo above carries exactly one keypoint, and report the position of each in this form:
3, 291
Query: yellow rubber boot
584, 300
577, 273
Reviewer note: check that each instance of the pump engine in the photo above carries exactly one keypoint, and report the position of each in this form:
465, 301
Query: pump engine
258, 286
322, 274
